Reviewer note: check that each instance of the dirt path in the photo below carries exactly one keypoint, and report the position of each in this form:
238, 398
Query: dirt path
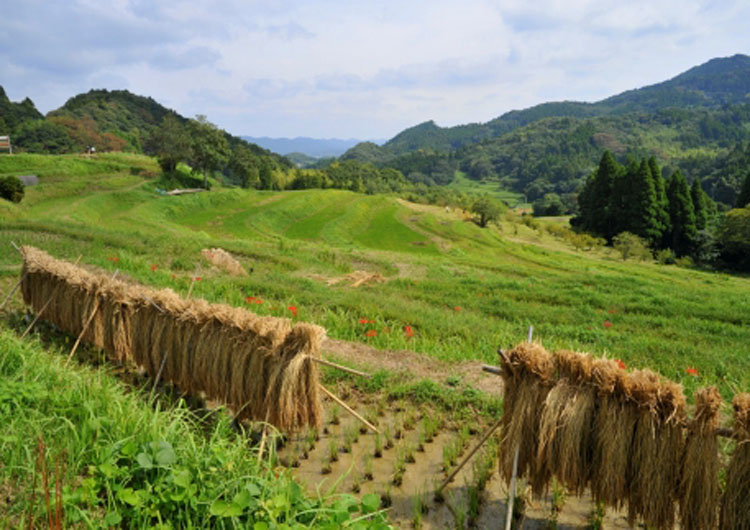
414, 364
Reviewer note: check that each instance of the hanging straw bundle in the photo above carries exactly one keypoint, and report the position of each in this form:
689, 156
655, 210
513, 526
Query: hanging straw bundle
566, 424
699, 485
528, 375
735, 507
655, 453
614, 425
261, 367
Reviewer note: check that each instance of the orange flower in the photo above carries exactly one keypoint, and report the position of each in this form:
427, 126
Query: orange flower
249, 299
408, 331
293, 309
621, 364
113, 259
258, 301
371, 333
457, 308
154, 266
692, 371
607, 324
197, 278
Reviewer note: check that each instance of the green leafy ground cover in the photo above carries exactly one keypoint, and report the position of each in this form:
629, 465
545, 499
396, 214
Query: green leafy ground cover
463, 290
118, 460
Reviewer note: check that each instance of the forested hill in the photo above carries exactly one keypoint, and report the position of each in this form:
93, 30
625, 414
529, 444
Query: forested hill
115, 120
692, 122
718, 82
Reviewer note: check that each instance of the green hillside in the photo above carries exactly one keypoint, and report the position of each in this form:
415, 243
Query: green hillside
463, 290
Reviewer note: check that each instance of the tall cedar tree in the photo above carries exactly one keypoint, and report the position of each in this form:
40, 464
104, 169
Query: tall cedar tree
641, 205
595, 198
743, 199
700, 204
681, 213
621, 200
662, 203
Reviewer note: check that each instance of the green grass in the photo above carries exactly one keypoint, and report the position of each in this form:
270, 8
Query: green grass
463, 290
493, 188
125, 461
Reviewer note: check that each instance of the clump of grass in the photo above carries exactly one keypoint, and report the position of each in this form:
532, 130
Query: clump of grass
356, 482
559, 496
419, 509
385, 498
596, 518
335, 415
421, 440
408, 452
326, 468
459, 511
388, 435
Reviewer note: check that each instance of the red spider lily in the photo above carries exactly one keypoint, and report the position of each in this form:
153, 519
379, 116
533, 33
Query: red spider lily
249, 299
408, 331
293, 309
258, 301
607, 324
366, 321
154, 266
692, 371
197, 278
612, 311
457, 308
113, 259
621, 364
371, 333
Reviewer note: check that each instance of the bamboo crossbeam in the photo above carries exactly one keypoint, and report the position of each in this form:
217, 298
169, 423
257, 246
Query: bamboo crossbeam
348, 408
340, 367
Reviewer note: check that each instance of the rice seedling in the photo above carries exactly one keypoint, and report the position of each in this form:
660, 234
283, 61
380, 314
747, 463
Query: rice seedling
421, 440
335, 418
596, 518
399, 468
388, 435
385, 498
333, 450
459, 510
408, 452
367, 473
356, 482
327, 466
398, 427
474, 497
559, 496
377, 451
419, 509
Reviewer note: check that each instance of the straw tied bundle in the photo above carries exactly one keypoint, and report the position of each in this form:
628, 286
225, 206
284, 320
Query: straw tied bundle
591, 424
261, 367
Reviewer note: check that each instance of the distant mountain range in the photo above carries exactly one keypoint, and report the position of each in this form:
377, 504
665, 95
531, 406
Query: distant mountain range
312, 147
689, 121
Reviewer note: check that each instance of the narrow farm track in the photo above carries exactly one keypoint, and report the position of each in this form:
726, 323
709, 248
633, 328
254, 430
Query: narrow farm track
414, 364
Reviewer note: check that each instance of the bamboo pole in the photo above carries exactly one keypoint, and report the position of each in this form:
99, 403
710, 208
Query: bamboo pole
192, 281
348, 408
86, 325
39, 314
340, 367
486, 435
509, 515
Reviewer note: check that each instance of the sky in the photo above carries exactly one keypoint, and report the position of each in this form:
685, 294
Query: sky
354, 68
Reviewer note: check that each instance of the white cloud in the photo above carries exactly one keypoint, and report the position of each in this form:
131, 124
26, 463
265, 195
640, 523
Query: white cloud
365, 69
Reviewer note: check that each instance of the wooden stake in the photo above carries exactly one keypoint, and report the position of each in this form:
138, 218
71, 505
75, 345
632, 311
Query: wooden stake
39, 314
347, 408
340, 367
466, 459
509, 517
192, 281
86, 325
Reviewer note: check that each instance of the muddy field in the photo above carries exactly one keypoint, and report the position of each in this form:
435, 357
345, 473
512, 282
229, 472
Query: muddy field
416, 450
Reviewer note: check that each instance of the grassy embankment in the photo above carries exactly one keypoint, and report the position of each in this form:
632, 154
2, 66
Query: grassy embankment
463, 290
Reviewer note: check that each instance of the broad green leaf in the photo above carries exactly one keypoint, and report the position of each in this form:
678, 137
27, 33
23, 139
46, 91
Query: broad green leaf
370, 502
221, 508
128, 496
181, 478
144, 461
165, 456
112, 519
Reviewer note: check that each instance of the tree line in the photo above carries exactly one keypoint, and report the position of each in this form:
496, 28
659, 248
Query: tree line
665, 213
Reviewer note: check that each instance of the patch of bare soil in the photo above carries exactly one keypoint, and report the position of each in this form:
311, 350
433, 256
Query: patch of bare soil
414, 364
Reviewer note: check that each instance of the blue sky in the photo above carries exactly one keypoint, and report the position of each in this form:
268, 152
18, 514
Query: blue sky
362, 69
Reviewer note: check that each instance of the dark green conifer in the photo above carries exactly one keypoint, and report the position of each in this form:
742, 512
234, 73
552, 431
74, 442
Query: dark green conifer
681, 214
700, 204
743, 199
662, 203
641, 206
595, 200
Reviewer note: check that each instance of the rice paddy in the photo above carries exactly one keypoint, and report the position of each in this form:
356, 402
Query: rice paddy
449, 290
